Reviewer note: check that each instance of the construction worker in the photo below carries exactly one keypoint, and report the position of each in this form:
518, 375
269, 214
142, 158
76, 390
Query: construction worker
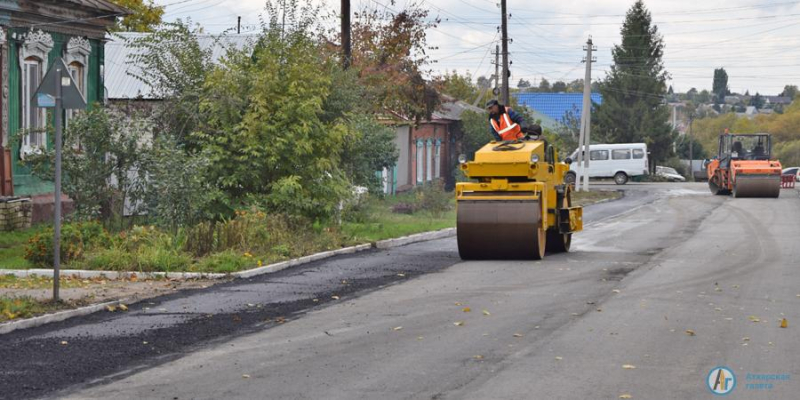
504, 123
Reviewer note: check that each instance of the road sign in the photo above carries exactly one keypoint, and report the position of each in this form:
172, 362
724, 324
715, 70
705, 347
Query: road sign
58, 91
58, 74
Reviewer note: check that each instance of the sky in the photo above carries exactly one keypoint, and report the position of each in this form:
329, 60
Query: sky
757, 42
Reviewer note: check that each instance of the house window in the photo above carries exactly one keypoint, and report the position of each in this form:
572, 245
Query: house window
428, 153
420, 167
76, 69
33, 52
33, 117
437, 159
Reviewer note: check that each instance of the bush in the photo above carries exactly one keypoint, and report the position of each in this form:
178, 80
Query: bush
76, 239
433, 198
224, 262
161, 259
111, 259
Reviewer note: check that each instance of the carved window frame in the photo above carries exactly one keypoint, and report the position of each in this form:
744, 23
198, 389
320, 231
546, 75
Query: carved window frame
36, 45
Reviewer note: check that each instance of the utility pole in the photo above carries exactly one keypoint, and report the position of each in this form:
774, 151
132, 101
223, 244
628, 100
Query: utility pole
586, 120
496, 70
346, 50
57, 192
691, 150
238, 25
504, 30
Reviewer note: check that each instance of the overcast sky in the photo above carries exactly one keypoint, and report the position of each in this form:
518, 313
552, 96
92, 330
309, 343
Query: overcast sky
756, 41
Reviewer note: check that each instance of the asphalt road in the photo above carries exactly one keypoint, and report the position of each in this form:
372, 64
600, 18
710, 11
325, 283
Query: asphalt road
670, 281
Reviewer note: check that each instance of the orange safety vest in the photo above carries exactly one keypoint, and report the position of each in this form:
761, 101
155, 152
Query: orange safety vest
507, 129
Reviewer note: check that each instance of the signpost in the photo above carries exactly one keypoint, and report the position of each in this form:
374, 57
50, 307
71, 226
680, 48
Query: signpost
59, 92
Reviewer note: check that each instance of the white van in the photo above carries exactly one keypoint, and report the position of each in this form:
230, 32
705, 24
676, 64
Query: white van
619, 161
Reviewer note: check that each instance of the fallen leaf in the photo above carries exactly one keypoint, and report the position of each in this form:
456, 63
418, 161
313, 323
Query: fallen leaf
717, 289
458, 323
458, 303
466, 309
478, 357
559, 358
420, 338
486, 312
245, 376
517, 335
746, 339
111, 308
625, 396
628, 366
63, 342
784, 323
123, 307
335, 297
690, 332
397, 328
754, 318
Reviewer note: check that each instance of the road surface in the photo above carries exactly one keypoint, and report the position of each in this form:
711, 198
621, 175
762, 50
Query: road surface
661, 287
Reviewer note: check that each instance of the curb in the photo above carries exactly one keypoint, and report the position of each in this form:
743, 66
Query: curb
112, 275
7, 327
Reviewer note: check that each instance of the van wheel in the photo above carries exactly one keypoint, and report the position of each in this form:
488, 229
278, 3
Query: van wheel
569, 178
620, 178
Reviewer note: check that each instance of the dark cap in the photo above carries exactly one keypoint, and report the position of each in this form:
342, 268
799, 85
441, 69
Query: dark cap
492, 102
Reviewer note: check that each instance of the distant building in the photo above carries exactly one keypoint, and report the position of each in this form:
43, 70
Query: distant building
775, 100
556, 106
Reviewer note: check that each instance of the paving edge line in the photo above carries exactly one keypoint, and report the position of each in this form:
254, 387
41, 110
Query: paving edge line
11, 326
33, 322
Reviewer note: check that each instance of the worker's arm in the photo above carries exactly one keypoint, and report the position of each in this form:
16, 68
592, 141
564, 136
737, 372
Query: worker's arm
516, 118
492, 132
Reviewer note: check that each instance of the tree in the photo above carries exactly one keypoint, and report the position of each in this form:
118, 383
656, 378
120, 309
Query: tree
544, 85
789, 91
720, 86
389, 53
633, 90
144, 17
703, 97
757, 101
575, 86
559, 87
458, 86
484, 82
172, 63
691, 95
523, 84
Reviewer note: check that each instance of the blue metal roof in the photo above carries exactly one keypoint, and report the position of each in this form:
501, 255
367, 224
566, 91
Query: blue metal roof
556, 105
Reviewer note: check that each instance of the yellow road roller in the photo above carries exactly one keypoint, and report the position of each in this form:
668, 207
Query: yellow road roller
516, 205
